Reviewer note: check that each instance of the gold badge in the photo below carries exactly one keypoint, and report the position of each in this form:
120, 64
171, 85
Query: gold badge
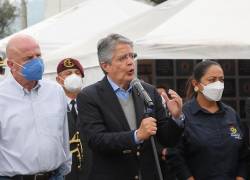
68, 63
233, 130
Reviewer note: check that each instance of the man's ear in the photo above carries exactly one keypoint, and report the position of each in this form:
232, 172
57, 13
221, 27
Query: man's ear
105, 67
9, 63
59, 80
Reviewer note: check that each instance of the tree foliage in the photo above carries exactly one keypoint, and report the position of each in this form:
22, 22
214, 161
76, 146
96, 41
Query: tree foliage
7, 16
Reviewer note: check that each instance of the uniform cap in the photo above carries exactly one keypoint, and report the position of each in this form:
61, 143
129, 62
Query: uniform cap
69, 63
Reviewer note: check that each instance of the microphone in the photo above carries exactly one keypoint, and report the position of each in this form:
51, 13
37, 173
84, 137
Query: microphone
135, 83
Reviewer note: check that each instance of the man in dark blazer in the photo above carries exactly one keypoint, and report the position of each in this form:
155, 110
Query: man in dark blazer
112, 116
70, 76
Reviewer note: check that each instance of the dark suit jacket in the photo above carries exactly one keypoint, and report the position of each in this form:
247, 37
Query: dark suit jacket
115, 154
76, 173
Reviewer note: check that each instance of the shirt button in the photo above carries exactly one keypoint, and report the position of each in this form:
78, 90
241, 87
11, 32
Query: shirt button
136, 177
138, 153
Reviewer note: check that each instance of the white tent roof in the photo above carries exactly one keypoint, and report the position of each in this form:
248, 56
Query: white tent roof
134, 27
177, 29
80, 23
183, 29
214, 29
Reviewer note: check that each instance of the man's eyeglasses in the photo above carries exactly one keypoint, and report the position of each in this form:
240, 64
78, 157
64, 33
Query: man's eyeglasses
126, 56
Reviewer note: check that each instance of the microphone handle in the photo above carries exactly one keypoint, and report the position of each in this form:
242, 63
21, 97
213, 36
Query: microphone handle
157, 162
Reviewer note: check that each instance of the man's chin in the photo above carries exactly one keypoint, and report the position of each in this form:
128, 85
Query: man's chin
130, 78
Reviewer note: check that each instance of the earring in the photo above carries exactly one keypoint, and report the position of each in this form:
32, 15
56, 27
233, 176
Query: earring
196, 89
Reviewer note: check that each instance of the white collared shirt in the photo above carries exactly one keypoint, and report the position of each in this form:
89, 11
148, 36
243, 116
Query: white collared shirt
33, 128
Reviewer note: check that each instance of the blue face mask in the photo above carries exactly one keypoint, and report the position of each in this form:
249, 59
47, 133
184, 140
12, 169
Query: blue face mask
33, 69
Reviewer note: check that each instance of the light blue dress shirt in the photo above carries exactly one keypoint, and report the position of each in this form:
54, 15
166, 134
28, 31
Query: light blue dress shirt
120, 93
33, 129
123, 94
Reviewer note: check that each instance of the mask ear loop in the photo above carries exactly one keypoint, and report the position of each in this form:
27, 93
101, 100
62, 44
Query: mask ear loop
63, 81
19, 66
61, 78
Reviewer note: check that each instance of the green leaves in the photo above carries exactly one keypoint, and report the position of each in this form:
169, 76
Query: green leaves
7, 16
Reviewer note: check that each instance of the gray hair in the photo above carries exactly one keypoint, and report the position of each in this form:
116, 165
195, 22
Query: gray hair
106, 46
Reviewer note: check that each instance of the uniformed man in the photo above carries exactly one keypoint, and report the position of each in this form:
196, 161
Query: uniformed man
70, 76
1, 66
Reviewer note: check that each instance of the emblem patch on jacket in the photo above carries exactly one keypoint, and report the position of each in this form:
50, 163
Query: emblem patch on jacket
234, 132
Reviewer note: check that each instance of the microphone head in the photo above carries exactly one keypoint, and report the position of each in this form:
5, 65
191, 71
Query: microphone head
134, 82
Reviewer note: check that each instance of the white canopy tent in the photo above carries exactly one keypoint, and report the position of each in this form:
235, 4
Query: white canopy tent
212, 29
176, 29
80, 23
134, 27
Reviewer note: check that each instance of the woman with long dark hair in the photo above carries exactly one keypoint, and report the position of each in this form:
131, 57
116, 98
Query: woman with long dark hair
213, 146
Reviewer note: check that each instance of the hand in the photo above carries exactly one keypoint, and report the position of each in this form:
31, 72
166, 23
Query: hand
174, 104
146, 129
191, 178
239, 178
164, 154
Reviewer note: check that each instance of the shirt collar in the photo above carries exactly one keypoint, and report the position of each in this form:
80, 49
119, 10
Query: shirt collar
35, 89
21, 89
116, 87
69, 99
195, 107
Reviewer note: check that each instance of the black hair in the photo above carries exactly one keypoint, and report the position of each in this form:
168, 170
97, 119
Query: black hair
199, 71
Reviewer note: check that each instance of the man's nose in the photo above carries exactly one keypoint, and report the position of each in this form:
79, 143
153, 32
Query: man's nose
130, 60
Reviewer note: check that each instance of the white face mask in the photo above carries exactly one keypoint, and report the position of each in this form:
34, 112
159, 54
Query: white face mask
213, 91
73, 83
